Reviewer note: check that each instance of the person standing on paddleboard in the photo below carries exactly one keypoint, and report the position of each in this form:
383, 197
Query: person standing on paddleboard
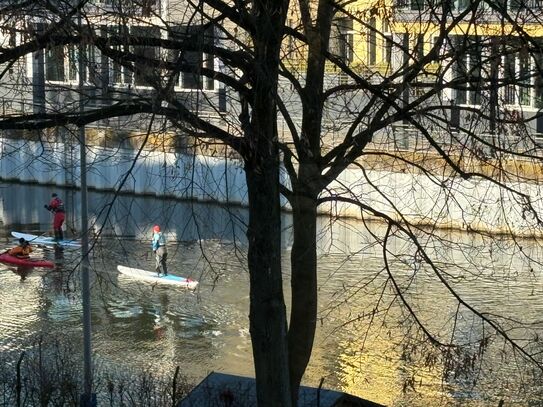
159, 249
56, 206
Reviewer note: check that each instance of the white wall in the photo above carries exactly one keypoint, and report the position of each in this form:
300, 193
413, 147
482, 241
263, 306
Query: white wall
450, 202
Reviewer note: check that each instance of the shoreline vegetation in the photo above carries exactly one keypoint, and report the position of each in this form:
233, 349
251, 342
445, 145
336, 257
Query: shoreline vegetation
49, 373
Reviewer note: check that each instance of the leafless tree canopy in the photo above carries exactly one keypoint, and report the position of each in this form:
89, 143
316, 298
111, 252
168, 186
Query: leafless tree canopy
446, 95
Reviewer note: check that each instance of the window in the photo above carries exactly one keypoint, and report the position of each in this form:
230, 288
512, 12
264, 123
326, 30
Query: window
54, 64
209, 63
419, 47
517, 73
524, 78
12, 38
72, 63
345, 26
538, 79
290, 40
62, 64
417, 5
91, 65
341, 39
468, 70
436, 45
387, 43
372, 42
148, 7
460, 5
121, 74
144, 70
8, 38
192, 80
192, 62
517, 4
143, 8
146, 54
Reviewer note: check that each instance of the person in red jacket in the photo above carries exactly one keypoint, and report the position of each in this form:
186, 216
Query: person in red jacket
56, 206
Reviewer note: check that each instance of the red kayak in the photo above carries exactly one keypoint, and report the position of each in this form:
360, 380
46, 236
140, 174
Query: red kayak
9, 259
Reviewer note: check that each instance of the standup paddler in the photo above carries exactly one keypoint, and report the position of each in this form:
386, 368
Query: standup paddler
159, 249
56, 206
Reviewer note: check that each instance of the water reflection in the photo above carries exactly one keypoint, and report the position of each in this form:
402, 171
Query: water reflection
366, 343
121, 216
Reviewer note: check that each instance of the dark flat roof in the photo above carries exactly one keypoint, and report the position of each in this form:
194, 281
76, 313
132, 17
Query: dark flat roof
221, 389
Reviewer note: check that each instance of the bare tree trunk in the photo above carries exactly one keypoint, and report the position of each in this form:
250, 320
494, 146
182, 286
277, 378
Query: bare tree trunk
267, 311
303, 314
268, 322
306, 187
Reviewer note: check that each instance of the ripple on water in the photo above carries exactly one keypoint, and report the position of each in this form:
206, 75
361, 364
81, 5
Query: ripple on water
21, 308
124, 309
62, 308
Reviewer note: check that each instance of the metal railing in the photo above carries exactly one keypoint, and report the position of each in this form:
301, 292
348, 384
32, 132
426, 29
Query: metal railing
459, 5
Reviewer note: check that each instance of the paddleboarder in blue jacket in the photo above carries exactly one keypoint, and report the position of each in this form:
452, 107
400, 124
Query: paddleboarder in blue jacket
159, 249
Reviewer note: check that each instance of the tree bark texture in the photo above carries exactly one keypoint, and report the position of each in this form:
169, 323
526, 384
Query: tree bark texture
267, 317
306, 187
268, 323
303, 315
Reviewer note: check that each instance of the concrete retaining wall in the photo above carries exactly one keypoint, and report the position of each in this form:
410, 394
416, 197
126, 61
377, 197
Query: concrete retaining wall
449, 202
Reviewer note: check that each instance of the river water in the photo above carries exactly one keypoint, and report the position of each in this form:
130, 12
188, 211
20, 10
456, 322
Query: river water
366, 342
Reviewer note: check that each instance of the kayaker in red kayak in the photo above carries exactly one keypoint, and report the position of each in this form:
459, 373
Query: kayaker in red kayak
20, 256
22, 251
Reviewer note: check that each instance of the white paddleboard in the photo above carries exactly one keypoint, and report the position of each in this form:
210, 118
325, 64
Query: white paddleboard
45, 240
152, 277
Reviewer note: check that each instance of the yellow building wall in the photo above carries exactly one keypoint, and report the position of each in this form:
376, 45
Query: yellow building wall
393, 22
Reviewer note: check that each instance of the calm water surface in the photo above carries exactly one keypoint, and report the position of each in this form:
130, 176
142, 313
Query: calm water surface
366, 343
